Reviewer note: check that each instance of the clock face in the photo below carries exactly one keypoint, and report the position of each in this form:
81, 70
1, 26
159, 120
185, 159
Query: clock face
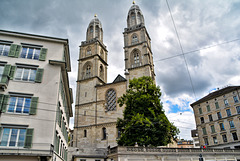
111, 100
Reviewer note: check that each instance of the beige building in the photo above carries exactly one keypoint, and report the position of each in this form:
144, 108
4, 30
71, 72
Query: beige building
35, 98
96, 109
217, 118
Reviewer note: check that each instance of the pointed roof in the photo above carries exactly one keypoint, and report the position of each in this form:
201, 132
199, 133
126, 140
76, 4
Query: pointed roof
119, 78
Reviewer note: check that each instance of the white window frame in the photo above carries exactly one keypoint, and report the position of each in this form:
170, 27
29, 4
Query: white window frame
16, 104
4, 47
10, 135
33, 53
23, 69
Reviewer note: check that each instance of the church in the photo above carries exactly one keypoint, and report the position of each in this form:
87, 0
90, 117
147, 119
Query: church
96, 109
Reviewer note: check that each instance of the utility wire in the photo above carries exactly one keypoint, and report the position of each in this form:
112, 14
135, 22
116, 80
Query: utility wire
181, 49
193, 51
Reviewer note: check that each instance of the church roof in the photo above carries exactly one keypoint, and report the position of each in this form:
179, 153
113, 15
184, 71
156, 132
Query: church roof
216, 94
119, 78
95, 21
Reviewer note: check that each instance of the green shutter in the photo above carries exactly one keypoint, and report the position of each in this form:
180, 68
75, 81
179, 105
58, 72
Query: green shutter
6, 73
18, 50
33, 108
12, 71
5, 103
28, 138
12, 51
43, 54
39, 75
1, 101
1, 128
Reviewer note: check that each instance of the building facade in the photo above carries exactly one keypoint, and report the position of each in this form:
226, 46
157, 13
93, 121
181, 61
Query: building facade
96, 109
35, 98
217, 117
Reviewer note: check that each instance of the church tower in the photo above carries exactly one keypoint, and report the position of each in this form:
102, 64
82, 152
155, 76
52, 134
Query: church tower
137, 46
92, 71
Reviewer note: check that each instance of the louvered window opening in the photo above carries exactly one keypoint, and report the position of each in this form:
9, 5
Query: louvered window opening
111, 100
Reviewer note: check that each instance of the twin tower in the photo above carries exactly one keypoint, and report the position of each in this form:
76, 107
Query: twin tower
96, 109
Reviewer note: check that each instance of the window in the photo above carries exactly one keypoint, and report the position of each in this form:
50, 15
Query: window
133, 18
228, 111
111, 100
16, 137
13, 137
231, 123
28, 74
19, 105
118, 132
215, 140
200, 110
202, 120
1, 72
238, 109
222, 127
4, 49
204, 131
210, 118
234, 135
212, 128
217, 105
226, 102
224, 137
104, 133
14, 103
206, 141
88, 71
91, 29
208, 108
134, 39
136, 58
219, 115
235, 98
85, 133
89, 52
30, 53
101, 72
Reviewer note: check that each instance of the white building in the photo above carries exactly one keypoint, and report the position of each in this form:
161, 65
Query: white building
35, 98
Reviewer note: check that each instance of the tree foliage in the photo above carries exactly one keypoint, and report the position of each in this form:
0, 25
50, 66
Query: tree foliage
144, 120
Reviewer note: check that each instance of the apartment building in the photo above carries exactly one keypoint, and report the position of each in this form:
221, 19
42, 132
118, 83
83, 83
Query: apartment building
35, 98
217, 118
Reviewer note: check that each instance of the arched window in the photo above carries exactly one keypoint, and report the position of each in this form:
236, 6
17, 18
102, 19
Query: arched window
101, 72
133, 18
91, 29
136, 58
88, 71
134, 39
97, 31
104, 133
111, 100
89, 52
139, 18
101, 54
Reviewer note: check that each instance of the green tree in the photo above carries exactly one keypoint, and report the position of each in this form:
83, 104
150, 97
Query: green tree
144, 120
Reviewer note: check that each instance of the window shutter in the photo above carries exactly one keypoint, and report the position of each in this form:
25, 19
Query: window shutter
43, 54
5, 103
39, 75
1, 101
28, 138
12, 71
1, 128
33, 108
18, 50
6, 72
12, 51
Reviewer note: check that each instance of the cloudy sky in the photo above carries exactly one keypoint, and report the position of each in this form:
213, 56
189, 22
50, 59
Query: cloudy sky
208, 32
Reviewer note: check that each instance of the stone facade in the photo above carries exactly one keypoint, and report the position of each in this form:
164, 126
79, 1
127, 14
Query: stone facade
96, 109
217, 118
